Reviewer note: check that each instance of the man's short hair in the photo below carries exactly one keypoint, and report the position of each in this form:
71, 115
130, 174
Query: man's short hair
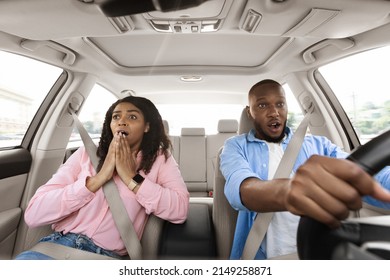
264, 82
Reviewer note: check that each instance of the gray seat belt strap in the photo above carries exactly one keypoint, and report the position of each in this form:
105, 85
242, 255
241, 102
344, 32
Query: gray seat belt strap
89, 145
62, 252
121, 218
262, 220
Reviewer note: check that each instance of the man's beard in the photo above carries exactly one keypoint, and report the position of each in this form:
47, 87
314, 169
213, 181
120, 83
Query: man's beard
268, 138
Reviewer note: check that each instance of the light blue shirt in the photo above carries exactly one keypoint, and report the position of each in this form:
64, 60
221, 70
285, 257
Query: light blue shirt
245, 156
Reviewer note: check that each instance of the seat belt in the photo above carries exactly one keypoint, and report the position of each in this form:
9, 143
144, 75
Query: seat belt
262, 220
121, 218
62, 252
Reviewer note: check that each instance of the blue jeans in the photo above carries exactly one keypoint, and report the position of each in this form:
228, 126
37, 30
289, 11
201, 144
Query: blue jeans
73, 240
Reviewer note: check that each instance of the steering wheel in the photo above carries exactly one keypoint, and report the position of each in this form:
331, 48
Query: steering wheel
317, 241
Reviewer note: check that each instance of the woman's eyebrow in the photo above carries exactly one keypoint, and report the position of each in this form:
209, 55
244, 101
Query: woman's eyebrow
128, 111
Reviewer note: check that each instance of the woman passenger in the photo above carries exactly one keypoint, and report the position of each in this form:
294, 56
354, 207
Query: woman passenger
134, 151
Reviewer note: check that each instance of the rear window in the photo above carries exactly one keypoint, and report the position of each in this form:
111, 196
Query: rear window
208, 115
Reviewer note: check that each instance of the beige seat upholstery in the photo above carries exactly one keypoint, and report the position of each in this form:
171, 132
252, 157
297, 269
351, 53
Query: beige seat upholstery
224, 216
166, 126
175, 140
245, 123
226, 129
192, 160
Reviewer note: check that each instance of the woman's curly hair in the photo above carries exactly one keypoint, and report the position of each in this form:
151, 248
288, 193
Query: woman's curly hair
154, 141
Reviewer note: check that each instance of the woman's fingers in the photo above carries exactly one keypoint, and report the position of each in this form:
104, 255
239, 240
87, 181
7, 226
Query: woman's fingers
125, 163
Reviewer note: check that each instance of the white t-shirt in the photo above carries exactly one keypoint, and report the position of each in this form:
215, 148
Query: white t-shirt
281, 234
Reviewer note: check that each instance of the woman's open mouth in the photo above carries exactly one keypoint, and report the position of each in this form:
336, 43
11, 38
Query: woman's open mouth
123, 133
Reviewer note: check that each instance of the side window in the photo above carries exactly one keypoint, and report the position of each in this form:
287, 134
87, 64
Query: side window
92, 115
24, 83
295, 114
361, 85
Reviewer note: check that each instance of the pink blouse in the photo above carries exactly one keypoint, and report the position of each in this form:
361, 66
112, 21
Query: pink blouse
66, 203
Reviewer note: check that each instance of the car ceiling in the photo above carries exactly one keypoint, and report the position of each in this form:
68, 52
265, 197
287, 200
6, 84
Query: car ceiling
126, 52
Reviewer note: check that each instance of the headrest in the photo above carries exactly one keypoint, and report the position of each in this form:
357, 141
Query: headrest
227, 126
193, 131
166, 126
245, 123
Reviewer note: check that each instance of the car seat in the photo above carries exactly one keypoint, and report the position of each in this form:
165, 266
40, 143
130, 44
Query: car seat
224, 216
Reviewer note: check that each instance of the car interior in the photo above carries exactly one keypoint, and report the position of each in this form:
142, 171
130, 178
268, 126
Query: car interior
196, 60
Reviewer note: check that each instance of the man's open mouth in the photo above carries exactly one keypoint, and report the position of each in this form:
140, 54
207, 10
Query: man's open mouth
274, 125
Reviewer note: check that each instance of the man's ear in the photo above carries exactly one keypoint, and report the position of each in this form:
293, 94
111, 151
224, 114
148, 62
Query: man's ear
248, 112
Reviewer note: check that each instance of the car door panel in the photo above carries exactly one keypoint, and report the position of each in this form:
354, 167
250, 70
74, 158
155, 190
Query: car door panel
14, 162
9, 221
14, 165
